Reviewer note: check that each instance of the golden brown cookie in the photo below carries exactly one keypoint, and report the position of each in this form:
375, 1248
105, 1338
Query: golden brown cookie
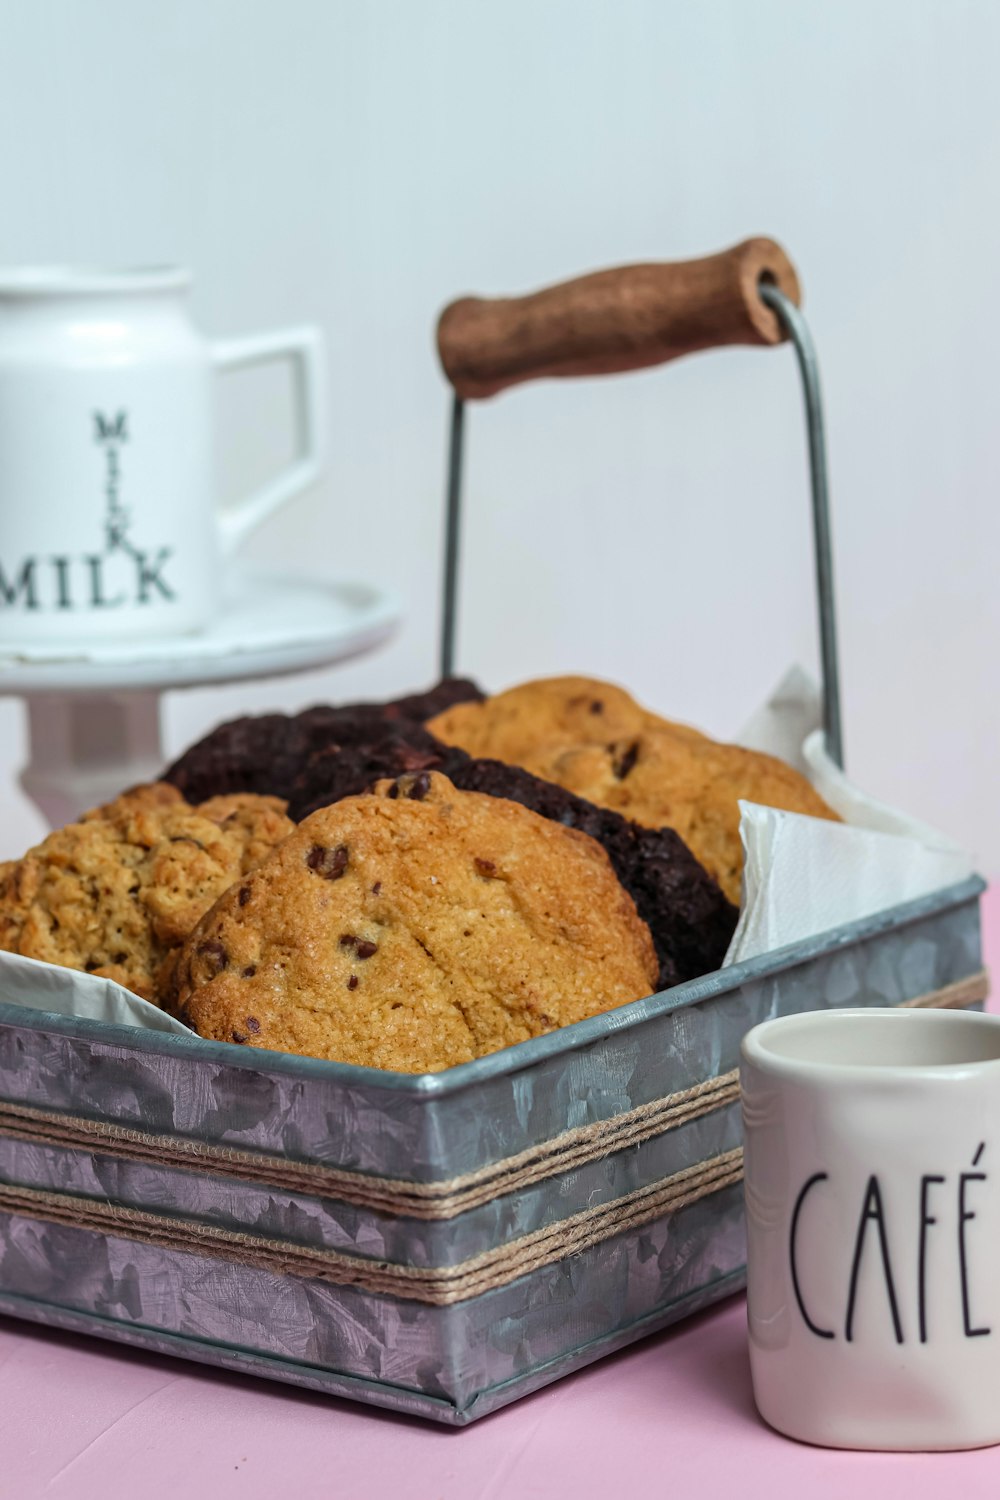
662, 779
414, 928
257, 822
153, 796
114, 893
514, 726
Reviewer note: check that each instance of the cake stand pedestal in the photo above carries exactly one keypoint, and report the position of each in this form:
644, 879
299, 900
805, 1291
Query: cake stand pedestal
94, 711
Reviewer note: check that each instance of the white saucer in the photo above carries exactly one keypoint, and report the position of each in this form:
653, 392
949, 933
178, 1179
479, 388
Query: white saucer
270, 624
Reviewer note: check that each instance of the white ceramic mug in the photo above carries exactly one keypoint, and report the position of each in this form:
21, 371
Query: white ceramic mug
110, 526
873, 1225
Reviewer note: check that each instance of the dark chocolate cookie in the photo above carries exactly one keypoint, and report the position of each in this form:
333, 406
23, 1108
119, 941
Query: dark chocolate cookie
361, 753
266, 752
419, 707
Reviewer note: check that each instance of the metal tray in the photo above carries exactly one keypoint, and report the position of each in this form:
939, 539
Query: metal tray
192, 1291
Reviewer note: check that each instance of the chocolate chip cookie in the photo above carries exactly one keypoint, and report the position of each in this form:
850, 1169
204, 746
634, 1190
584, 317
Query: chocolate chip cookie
518, 724
690, 919
414, 928
660, 779
116, 892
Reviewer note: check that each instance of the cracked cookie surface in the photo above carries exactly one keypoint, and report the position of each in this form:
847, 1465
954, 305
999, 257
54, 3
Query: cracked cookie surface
115, 893
414, 928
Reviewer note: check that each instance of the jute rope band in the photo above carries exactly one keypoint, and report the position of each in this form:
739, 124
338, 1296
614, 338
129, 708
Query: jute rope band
974, 989
443, 1199
439, 1286
419, 1200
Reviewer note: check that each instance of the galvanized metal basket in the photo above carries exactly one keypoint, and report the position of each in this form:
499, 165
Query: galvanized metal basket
439, 1244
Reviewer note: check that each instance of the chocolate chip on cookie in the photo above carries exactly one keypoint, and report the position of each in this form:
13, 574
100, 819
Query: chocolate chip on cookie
330, 863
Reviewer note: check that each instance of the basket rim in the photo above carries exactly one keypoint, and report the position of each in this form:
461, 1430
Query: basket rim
520, 1057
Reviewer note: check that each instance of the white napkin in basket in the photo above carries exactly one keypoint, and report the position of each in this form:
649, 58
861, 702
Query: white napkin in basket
803, 876
67, 992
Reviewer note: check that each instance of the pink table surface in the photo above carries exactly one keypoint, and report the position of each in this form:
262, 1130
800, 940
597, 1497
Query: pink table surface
84, 1420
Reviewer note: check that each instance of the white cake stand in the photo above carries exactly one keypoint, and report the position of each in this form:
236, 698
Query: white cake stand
94, 711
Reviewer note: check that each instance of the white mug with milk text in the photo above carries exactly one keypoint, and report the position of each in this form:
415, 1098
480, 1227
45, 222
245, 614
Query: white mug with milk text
872, 1143
110, 527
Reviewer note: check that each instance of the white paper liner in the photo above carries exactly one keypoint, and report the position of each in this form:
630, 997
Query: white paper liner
67, 992
802, 876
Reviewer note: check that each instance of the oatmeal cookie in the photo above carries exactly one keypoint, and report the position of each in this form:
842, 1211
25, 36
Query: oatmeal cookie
414, 928
256, 822
116, 892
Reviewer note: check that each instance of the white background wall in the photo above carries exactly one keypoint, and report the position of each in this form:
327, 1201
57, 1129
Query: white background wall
361, 163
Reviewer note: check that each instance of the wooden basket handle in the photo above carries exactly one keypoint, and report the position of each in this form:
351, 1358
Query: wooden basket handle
623, 319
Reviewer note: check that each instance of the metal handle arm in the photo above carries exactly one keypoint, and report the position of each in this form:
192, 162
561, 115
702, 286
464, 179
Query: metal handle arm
795, 325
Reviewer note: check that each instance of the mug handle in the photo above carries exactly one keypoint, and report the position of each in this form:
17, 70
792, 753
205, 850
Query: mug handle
306, 348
